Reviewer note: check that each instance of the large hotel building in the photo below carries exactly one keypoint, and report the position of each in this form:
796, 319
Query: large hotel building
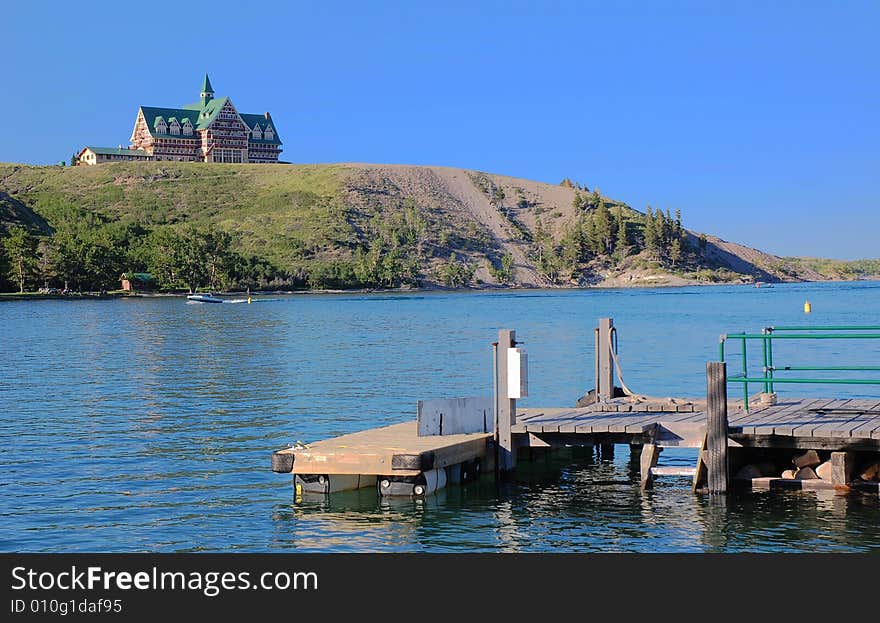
210, 130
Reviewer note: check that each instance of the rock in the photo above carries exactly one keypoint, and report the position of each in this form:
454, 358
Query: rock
824, 470
810, 458
788, 474
748, 472
871, 473
805, 473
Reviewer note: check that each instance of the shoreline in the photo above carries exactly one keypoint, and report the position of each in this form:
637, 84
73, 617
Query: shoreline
87, 296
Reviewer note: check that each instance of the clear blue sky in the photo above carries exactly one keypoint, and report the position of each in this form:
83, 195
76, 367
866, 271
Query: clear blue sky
758, 120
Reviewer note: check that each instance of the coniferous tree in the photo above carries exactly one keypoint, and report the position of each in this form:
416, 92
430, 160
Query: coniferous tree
674, 251
622, 242
21, 253
602, 218
576, 244
650, 231
660, 231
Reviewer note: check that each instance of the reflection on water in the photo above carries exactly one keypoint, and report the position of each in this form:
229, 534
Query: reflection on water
147, 424
570, 502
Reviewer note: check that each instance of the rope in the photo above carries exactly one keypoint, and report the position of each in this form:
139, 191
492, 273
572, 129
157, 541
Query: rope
633, 396
618, 370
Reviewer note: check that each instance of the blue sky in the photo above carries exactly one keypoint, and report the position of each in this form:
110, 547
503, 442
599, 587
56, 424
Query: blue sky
758, 120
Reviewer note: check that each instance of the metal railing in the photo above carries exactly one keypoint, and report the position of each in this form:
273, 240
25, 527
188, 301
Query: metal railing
769, 369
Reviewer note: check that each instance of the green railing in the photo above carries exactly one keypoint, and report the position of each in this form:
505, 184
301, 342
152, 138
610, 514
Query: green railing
769, 369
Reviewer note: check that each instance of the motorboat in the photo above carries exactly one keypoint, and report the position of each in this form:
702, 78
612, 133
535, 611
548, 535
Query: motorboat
204, 298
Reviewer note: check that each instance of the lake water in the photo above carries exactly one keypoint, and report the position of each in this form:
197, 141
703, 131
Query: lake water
147, 424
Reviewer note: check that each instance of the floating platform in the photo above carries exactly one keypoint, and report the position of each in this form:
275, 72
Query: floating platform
394, 456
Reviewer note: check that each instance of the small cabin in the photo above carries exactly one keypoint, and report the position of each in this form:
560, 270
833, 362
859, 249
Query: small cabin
100, 155
138, 282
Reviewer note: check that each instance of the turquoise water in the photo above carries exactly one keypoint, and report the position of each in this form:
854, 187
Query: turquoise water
147, 424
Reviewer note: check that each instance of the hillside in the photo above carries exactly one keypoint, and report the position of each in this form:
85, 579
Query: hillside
349, 225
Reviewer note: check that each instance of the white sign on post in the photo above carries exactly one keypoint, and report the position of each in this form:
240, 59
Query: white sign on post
517, 373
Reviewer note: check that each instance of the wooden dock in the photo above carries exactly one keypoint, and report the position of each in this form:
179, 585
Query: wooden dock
777, 442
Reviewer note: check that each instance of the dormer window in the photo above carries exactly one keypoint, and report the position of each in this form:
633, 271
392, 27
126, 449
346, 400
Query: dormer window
187, 127
269, 134
160, 126
256, 132
174, 125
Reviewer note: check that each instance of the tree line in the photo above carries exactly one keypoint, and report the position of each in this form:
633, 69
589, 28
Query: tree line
85, 253
89, 252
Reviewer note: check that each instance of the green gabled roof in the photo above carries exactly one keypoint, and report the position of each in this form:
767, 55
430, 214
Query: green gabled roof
201, 117
262, 121
210, 111
151, 113
205, 115
117, 151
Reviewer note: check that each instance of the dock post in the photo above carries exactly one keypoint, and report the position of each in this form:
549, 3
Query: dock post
716, 426
604, 362
842, 467
505, 408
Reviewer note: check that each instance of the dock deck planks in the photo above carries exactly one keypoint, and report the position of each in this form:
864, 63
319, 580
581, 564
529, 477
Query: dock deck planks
391, 450
790, 417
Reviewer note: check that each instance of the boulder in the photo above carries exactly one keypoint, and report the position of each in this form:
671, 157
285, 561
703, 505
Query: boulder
871, 473
810, 458
788, 474
824, 470
805, 473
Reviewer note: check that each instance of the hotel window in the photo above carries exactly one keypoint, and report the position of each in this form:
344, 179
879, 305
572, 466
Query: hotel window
270, 135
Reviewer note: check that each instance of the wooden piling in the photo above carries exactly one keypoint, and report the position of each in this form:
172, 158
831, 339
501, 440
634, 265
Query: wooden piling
604, 362
282, 463
716, 427
842, 467
648, 461
635, 454
505, 409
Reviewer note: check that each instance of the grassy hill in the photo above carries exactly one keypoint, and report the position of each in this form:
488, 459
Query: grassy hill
378, 225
